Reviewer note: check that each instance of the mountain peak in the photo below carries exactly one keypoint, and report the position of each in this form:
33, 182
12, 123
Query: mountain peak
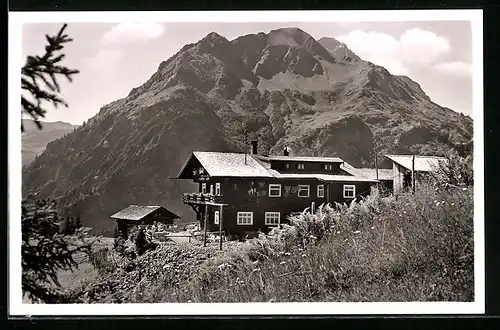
339, 50
290, 36
214, 37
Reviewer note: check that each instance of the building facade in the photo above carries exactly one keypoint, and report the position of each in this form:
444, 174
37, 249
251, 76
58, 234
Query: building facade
404, 165
251, 192
134, 215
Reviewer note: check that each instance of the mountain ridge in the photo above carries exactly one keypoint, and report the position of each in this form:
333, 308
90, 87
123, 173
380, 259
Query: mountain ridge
283, 87
34, 141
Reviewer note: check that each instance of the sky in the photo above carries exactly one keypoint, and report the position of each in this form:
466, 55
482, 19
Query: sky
113, 58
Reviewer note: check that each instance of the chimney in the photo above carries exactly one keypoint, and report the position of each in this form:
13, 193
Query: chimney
285, 152
254, 147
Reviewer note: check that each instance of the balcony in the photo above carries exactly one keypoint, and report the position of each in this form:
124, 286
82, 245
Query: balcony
201, 198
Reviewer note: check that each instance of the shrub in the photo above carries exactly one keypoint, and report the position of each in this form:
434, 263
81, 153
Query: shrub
456, 170
415, 248
103, 261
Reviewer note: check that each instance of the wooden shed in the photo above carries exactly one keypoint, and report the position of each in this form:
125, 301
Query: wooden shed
403, 165
142, 215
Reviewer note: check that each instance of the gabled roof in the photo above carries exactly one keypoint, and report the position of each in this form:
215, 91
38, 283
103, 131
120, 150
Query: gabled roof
137, 212
228, 164
422, 163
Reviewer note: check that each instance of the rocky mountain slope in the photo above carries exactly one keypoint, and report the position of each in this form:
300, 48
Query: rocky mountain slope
34, 141
284, 87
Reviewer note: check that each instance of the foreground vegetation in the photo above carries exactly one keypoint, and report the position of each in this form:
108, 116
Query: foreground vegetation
410, 249
413, 248
405, 248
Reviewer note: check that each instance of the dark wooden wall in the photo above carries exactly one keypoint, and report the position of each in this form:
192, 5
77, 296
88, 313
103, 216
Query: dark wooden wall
309, 167
247, 195
161, 215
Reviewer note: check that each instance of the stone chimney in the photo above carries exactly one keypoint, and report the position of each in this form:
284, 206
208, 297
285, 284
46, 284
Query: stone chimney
254, 147
286, 152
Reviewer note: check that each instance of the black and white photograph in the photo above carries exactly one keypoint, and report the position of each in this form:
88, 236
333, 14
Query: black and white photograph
317, 162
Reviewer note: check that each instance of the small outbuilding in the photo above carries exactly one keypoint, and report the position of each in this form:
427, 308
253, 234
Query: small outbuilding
403, 165
142, 215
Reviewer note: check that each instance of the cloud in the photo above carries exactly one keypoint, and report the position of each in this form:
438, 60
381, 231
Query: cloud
457, 68
105, 61
414, 46
419, 46
132, 32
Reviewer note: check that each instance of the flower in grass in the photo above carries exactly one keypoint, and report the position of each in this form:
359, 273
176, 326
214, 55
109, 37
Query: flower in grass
373, 228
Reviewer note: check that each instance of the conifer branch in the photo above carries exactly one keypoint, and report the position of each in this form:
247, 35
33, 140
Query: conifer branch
39, 78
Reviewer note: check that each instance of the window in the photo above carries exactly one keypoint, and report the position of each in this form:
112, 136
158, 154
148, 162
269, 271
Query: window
272, 218
216, 217
287, 166
349, 191
300, 166
217, 189
321, 190
274, 190
303, 191
328, 167
203, 188
211, 189
245, 218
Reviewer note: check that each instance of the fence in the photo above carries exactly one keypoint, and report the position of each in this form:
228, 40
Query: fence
165, 236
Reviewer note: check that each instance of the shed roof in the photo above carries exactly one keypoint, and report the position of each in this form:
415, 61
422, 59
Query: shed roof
371, 173
137, 212
422, 163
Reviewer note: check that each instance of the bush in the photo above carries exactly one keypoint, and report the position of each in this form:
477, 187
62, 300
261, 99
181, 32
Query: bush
415, 248
103, 260
456, 170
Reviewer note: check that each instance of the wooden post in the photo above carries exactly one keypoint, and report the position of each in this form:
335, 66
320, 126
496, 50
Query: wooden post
312, 207
205, 227
220, 228
327, 193
413, 175
245, 147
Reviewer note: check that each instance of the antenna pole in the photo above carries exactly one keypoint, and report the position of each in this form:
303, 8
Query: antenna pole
376, 161
245, 148
413, 175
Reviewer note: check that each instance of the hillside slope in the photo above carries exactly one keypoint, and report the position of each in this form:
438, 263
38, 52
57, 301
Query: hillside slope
283, 87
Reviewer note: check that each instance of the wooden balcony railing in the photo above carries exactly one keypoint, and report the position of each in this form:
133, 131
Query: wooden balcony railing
201, 198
